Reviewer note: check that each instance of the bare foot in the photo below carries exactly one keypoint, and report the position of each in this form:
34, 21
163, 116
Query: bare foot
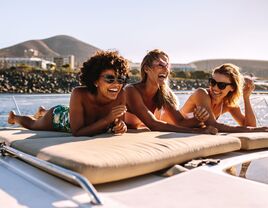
11, 117
41, 111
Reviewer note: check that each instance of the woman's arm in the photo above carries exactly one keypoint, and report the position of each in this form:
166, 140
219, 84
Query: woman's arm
198, 113
178, 119
249, 118
202, 98
136, 105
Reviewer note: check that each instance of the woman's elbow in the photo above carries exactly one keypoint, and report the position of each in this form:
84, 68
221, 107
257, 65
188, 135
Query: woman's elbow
211, 122
155, 126
252, 124
76, 133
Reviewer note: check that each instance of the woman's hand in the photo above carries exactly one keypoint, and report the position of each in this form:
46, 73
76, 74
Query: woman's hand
248, 87
119, 127
201, 114
116, 112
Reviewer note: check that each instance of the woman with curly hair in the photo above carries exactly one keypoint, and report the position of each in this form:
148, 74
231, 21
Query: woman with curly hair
95, 107
225, 88
152, 104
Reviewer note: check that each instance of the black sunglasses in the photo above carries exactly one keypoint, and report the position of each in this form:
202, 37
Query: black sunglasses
221, 85
109, 78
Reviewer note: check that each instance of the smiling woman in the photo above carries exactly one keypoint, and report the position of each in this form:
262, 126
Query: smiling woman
225, 88
94, 107
152, 104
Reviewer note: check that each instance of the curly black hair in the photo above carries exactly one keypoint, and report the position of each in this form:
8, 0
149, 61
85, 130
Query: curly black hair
102, 60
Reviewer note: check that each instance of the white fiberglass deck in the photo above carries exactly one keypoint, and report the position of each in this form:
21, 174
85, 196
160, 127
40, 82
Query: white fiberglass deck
25, 186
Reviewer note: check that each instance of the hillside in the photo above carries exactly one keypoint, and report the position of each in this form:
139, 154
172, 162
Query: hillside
258, 68
60, 45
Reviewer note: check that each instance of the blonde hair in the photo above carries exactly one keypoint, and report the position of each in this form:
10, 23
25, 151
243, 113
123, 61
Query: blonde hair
233, 73
164, 96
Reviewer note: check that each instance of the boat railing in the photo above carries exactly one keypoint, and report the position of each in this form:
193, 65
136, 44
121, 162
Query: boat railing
61, 172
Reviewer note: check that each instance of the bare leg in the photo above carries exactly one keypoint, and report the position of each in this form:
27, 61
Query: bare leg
44, 123
41, 111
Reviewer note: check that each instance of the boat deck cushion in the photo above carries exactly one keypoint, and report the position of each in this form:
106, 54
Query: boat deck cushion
250, 141
106, 158
9, 135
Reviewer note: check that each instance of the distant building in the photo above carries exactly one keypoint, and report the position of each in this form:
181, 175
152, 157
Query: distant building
183, 67
30, 53
64, 60
174, 67
7, 62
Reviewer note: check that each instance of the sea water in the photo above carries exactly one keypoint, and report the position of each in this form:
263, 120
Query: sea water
28, 103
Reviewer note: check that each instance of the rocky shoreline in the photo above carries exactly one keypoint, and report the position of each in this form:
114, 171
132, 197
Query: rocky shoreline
36, 81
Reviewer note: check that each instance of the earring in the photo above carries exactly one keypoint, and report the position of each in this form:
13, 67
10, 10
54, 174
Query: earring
96, 85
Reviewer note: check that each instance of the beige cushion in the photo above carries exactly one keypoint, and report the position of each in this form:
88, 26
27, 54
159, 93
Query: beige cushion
9, 135
251, 141
106, 158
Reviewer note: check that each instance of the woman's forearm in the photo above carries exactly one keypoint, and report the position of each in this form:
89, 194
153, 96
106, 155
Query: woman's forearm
250, 118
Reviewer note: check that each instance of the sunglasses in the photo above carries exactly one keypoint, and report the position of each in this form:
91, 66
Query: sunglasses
161, 64
221, 85
109, 78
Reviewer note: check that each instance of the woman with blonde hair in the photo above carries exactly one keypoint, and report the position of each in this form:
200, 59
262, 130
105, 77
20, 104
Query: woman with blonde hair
225, 88
152, 104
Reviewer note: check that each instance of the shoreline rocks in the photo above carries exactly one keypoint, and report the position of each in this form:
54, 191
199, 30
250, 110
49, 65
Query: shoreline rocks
37, 81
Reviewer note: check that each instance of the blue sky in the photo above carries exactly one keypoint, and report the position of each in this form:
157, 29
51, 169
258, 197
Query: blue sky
187, 30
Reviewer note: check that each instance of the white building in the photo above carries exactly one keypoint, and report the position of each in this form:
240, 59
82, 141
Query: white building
7, 62
174, 67
63, 60
183, 67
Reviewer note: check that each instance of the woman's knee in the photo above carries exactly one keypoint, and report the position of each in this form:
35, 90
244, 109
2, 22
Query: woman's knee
45, 122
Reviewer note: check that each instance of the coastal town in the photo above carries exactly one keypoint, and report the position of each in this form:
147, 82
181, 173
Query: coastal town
52, 65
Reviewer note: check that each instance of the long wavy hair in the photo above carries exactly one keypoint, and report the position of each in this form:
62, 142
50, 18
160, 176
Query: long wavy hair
102, 60
233, 73
164, 96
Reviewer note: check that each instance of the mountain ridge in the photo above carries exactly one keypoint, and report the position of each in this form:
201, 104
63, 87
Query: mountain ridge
62, 45
59, 45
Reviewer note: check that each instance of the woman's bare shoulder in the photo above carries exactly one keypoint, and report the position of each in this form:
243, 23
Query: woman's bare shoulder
131, 88
80, 91
201, 92
201, 95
